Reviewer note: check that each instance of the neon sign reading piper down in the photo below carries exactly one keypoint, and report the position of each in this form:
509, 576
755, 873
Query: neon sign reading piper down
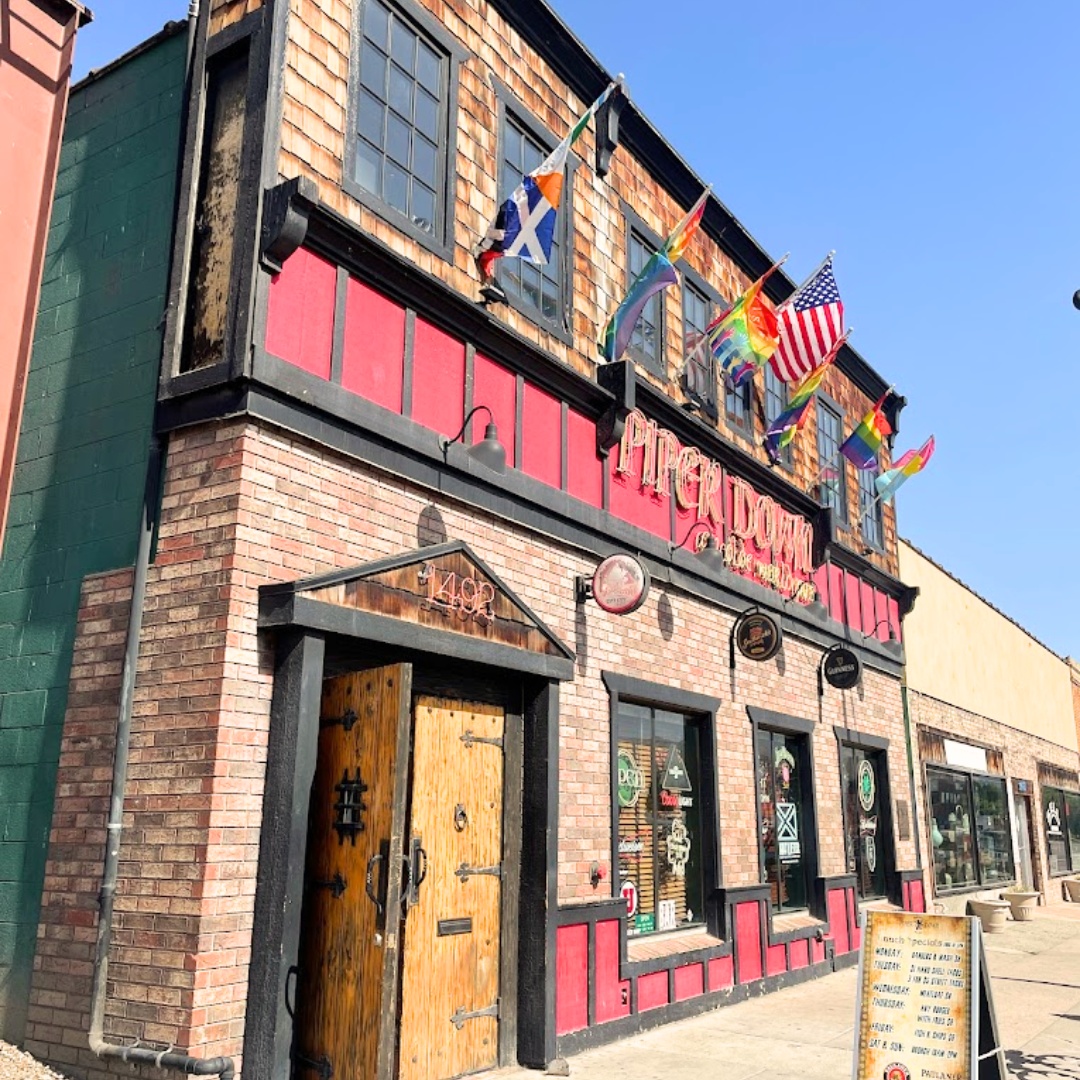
763, 540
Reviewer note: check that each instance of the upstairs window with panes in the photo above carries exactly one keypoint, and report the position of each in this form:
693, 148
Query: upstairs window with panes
830, 436
698, 378
647, 340
401, 108
776, 401
870, 510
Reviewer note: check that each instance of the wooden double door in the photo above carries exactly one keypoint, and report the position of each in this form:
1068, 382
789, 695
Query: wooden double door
399, 972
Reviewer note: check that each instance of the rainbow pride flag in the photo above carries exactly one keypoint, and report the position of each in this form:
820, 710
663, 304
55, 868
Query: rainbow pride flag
744, 337
791, 421
862, 445
914, 461
658, 273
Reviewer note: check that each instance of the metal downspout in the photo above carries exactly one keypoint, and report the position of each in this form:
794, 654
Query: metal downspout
222, 1067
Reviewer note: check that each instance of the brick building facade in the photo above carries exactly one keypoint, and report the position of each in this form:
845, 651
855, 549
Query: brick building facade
349, 627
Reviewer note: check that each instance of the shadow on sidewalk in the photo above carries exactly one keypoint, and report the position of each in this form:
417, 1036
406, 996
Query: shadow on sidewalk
1035, 1066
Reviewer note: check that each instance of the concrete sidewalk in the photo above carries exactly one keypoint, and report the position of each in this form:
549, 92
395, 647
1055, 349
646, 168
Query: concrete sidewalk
808, 1031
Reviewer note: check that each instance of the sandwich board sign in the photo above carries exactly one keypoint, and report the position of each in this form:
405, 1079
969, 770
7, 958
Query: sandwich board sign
923, 1009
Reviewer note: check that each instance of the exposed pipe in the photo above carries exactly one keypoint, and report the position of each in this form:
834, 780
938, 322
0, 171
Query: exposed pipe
222, 1067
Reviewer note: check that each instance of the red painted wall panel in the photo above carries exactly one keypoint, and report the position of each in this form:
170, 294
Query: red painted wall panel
821, 583
817, 951
748, 940
905, 895
541, 436
610, 1001
652, 991
495, 387
300, 313
852, 594
373, 357
438, 382
689, 981
775, 960
894, 619
916, 897
585, 469
571, 978
866, 604
633, 503
799, 954
836, 592
721, 973
856, 933
881, 615
837, 908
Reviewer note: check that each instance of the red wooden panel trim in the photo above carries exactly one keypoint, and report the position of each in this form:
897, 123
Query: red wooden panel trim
612, 995
300, 312
633, 503
905, 892
721, 973
652, 990
373, 359
866, 604
836, 592
853, 613
894, 619
585, 469
837, 908
541, 436
438, 381
918, 897
571, 978
820, 578
748, 940
856, 933
817, 951
775, 960
799, 954
881, 615
689, 981
495, 387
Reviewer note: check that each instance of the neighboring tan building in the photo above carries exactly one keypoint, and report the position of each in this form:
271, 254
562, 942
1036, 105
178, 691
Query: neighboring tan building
399, 798
37, 44
1074, 673
993, 720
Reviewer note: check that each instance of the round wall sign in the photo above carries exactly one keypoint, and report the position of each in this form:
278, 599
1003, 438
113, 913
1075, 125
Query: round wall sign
631, 780
867, 785
620, 584
628, 891
842, 668
758, 636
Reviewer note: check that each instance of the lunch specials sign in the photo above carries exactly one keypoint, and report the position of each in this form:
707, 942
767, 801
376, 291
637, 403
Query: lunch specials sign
758, 538
918, 1004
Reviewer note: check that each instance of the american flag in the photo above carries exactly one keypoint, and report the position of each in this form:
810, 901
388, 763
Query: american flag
811, 321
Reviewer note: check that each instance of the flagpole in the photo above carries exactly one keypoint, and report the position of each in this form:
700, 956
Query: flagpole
817, 270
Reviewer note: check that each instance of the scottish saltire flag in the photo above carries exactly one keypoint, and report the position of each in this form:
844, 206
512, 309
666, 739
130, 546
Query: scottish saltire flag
811, 320
656, 274
744, 337
862, 445
912, 462
792, 420
525, 224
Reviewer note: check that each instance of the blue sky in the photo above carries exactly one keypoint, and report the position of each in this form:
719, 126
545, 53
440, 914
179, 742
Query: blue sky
934, 147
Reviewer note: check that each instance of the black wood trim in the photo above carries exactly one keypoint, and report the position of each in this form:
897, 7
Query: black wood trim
330, 618
519, 419
796, 725
510, 930
860, 739
337, 349
470, 392
564, 437
290, 769
228, 36
407, 363
651, 693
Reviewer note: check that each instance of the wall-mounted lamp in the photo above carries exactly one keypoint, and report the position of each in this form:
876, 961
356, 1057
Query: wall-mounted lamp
893, 644
489, 451
709, 554
817, 609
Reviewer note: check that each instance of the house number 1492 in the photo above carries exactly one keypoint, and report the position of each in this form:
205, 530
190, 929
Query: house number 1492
450, 592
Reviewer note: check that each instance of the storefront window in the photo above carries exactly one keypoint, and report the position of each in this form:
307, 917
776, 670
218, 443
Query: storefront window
660, 841
866, 826
781, 772
1061, 818
969, 829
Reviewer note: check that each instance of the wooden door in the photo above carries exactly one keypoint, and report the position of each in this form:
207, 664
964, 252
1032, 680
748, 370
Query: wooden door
450, 976
347, 982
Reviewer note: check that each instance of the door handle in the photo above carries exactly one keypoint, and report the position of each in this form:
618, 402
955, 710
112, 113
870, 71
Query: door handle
369, 881
417, 868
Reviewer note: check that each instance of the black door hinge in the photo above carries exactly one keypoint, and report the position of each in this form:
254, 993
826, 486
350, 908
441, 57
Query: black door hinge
465, 871
337, 885
323, 1067
460, 1015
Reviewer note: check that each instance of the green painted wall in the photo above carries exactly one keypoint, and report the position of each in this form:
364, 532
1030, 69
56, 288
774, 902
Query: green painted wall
83, 445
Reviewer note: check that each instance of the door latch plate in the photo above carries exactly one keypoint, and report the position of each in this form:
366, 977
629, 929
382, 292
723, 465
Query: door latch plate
460, 1015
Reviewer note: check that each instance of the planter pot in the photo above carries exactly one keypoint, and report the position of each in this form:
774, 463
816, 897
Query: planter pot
991, 914
1072, 889
1022, 904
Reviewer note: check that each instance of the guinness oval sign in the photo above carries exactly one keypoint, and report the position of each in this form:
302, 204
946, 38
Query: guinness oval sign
758, 636
620, 584
842, 668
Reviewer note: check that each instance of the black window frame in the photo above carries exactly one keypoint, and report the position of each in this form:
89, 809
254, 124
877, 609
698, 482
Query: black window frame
703, 709
511, 110
787, 458
743, 395
633, 225
693, 282
870, 513
441, 240
860, 742
826, 403
970, 776
783, 724
1073, 865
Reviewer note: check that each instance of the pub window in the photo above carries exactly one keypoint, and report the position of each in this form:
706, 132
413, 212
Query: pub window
533, 288
737, 404
399, 136
776, 401
867, 825
969, 829
830, 428
870, 510
784, 789
660, 836
1061, 818
699, 380
646, 342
